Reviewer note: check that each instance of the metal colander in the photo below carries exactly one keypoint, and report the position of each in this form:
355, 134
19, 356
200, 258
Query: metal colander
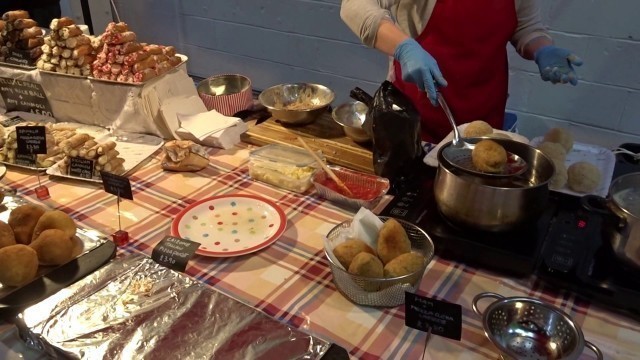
526, 328
380, 291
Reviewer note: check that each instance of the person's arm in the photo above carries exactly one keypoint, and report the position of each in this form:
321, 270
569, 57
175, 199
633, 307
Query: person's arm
530, 34
363, 17
388, 37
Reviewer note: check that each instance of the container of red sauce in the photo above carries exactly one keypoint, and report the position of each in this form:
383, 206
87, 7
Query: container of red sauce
367, 189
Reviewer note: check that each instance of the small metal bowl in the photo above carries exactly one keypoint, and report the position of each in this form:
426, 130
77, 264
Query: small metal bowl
526, 328
297, 104
227, 93
351, 116
379, 291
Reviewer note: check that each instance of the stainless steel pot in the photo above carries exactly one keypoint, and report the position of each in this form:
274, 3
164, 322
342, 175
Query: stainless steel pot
491, 204
622, 216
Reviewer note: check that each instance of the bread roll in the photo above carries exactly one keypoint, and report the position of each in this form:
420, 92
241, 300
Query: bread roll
554, 151
393, 241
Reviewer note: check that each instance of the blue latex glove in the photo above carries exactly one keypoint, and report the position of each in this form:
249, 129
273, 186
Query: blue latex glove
419, 67
556, 64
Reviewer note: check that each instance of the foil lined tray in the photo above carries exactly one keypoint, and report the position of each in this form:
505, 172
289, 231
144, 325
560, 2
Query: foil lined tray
136, 308
85, 241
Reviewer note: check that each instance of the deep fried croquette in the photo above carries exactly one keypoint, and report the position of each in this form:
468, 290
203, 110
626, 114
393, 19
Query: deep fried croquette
583, 177
404, 264
560, 136
366, 264
489, 156
55, 219
23, 220
393, 241
6, 235
346, 251
18, 265
554, 151
477, 128
53, 246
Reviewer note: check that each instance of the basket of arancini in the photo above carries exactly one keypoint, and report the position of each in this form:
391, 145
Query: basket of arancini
355, 269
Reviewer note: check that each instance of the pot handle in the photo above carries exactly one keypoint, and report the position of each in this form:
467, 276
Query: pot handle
595, 349
482, 296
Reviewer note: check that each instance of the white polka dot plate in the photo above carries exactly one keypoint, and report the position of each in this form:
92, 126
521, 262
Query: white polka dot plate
230, 225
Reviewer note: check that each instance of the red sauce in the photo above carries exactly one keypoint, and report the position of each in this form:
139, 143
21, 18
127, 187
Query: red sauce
358, 191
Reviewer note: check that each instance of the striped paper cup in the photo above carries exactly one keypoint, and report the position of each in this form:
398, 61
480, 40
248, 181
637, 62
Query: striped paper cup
226, 93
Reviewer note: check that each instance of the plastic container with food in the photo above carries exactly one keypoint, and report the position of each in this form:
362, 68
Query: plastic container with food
366, 189
283, 166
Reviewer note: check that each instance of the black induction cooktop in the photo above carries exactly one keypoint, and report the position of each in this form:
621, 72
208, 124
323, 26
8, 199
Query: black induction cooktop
564, 247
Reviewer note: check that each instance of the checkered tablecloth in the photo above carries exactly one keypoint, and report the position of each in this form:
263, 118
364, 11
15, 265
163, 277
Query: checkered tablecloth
291, 281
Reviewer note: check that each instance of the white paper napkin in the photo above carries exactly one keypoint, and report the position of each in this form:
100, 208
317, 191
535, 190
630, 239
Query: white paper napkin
184, 106
204, 124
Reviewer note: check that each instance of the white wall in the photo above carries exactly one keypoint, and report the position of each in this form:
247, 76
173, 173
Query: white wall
276, 41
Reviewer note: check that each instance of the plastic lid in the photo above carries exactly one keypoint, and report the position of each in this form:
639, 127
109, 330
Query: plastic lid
283, 154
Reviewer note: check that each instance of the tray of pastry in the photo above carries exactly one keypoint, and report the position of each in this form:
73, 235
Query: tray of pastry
60, 137
145, 76
119, 155
36, 241
20, 40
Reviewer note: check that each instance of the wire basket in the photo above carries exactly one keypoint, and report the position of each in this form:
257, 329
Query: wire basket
526, 328
386, 292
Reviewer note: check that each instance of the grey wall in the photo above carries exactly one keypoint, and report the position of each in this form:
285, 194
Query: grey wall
276, 41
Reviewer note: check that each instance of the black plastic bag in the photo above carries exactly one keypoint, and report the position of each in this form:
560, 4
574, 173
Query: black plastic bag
394, 125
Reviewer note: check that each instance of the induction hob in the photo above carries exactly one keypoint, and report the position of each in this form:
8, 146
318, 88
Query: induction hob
564, 247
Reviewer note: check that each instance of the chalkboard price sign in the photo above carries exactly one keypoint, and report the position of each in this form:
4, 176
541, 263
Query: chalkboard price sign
26, 96
174, 252
19, 57
31, 140
12, 121
26, 160
116, 185
442, 318
80, 167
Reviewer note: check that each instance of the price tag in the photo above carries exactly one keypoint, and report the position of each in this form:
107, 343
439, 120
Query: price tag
443, 318
28, 160
116, 185
12, 121
174, 252
26, 96
81, 167
31, 140
19, 57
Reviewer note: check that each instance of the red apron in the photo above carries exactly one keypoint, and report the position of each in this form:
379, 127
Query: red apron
468, 39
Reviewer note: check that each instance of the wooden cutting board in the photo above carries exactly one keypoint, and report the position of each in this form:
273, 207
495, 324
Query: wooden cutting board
324, 134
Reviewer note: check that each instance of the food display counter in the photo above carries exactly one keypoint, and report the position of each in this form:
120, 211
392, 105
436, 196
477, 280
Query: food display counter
291, 281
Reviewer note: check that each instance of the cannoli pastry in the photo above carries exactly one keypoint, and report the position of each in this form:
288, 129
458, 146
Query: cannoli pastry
184, 155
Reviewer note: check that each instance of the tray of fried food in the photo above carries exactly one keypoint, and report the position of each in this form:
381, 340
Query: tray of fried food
60, 137
35, 240
122, 59
67, 50
22, 39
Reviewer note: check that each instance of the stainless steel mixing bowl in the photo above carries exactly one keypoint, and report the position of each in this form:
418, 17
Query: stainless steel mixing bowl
297, 104
351, 116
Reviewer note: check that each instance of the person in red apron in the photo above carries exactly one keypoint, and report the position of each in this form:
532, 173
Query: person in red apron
461, 52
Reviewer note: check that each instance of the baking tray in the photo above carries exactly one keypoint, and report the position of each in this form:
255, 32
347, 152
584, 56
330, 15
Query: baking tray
602, 158
95, 131
54, 73
17, 66
141, 84
95, 250
133, 148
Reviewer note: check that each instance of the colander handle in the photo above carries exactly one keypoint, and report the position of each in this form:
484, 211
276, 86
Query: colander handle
595, 349
482, 296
